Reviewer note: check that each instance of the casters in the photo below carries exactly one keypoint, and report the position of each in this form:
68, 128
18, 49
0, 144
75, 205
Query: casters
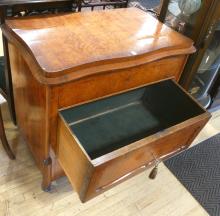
46, 188
46, 183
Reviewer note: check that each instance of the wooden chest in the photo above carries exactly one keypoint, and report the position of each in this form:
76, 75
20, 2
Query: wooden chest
96, 95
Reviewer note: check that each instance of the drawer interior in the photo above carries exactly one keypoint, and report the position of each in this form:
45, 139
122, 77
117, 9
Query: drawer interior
108, 124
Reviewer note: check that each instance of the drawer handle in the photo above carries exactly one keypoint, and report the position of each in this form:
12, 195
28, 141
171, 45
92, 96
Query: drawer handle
154, 171
180, 149
121, 178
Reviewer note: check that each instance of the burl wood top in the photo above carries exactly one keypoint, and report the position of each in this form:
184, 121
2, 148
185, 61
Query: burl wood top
90, 42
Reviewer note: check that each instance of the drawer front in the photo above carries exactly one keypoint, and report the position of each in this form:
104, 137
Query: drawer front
166, 145
109, 83
73, 160
95, 163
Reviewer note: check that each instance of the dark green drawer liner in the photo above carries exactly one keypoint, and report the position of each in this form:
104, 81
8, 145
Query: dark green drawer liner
111, 123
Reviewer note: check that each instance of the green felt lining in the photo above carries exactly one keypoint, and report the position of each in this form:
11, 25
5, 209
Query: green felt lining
109, 124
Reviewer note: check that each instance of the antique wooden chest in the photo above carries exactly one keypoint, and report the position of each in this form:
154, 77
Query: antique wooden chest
96, 95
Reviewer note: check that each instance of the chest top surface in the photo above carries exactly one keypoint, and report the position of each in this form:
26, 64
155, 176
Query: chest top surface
73, 42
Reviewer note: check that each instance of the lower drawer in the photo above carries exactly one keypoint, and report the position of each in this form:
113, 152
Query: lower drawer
106, 141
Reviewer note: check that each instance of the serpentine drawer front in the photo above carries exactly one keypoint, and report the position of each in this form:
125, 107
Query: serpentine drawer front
104, 142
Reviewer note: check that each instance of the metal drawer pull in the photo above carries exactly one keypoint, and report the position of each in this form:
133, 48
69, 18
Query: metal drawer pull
121, 178
154, 171
180, 149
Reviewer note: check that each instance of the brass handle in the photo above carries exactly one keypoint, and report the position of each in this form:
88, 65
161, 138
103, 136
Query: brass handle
173, 152
157, 160
123, 177
154, 171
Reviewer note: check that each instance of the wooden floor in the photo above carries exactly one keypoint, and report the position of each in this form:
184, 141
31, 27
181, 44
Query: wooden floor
20, 192
21, 195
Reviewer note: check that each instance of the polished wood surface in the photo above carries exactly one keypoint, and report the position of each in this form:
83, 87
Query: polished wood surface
13, 8
138, 157
118, 41
62, 96
118, 80
31, 108
74, 160
76, 77
114, 168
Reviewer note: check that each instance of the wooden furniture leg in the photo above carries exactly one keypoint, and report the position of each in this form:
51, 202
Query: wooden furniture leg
46, 183
8, 80
4, 139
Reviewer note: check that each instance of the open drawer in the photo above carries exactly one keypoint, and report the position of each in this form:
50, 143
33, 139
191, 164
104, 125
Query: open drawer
106, 141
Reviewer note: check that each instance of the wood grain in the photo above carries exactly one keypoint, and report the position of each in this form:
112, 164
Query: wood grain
129, 44
56, 63
74, 160
31, 107
114, 81
113, 168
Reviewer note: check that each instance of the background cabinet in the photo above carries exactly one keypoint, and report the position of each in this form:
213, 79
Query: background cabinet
199, 20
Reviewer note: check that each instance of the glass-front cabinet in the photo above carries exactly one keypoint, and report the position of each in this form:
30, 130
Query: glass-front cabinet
208, 71
181, 15
199, 20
